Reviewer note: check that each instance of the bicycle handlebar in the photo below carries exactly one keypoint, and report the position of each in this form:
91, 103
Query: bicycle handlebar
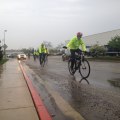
82, 52
65, 47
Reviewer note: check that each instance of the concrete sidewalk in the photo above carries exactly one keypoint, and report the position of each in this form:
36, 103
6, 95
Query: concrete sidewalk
15, 99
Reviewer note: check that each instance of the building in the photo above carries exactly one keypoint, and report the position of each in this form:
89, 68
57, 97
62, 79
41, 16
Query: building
100, 38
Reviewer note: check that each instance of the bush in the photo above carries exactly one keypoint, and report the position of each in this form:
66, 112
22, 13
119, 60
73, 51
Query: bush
97, 50
3, 61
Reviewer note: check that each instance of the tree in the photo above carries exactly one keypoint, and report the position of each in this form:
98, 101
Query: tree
97, 50
59, 46
31, 50
47, 44
1, 53
24, 50
114, 43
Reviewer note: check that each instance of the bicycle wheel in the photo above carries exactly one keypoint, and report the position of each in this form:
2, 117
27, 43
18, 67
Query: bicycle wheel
72, 71
42, 61
46, 59
84, 69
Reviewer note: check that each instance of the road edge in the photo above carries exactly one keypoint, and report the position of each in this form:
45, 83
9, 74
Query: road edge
40, 108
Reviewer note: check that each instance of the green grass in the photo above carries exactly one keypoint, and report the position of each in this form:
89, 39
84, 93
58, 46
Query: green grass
105, 58
3, 61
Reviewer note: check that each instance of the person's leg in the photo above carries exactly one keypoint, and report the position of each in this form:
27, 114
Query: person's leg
40, 58
43, 56
47, 57
72, 58
78, 51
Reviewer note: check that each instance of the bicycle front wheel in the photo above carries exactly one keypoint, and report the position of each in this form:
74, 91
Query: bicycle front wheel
42, 61
84, 69
71, 70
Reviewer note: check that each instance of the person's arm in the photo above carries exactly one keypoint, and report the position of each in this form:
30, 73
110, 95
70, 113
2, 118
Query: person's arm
44, 49
70, 43
39, 50
83, 46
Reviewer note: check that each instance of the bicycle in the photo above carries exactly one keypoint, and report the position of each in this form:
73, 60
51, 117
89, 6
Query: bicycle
81, 64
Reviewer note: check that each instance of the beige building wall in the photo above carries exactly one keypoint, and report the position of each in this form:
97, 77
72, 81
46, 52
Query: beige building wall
100, 38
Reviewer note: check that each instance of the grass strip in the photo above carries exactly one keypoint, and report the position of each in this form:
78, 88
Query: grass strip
104, 59
3, 61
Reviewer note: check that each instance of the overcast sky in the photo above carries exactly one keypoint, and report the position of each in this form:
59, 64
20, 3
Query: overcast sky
29, 22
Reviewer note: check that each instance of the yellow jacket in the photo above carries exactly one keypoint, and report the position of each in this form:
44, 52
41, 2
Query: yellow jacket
42, 49
74, 43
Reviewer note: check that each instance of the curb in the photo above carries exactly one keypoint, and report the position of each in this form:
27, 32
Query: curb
41, 109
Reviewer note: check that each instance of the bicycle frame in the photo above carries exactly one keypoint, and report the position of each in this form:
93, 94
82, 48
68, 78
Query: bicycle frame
79, 58
42, 59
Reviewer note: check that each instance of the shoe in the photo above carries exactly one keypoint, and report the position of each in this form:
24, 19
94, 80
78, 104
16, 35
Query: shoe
73, 70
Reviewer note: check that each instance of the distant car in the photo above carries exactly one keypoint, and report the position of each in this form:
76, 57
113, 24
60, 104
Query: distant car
66, 55
10, 56
21, 57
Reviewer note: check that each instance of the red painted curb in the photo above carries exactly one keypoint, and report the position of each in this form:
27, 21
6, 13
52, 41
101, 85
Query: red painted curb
41, 110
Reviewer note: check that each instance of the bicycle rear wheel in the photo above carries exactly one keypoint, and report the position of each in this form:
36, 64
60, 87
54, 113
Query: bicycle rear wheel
46, 59
84, 69
72, 71
42, 61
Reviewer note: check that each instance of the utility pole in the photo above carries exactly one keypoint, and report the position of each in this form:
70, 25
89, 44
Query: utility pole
4, 42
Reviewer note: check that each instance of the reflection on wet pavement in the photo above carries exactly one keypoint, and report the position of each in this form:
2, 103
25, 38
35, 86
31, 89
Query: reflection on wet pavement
57, 106
93, 103
97, 101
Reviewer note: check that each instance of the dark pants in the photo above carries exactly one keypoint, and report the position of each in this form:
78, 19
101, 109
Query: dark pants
73, 56
41, 56
34, 56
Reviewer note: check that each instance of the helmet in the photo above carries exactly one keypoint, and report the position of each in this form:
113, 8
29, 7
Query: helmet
79, 34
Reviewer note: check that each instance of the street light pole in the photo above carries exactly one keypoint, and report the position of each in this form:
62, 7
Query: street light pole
4, 41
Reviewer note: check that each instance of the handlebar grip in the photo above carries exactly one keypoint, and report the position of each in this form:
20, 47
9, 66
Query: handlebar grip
65, 47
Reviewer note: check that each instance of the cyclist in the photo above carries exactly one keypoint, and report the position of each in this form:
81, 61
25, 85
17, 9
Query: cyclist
46, 51
42, 52
37, 53
74, 45
34, 55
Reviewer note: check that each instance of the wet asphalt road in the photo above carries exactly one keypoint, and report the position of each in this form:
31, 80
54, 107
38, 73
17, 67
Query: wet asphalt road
62, 92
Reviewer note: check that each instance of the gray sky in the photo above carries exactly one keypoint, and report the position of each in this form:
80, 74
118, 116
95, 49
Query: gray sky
29, 22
